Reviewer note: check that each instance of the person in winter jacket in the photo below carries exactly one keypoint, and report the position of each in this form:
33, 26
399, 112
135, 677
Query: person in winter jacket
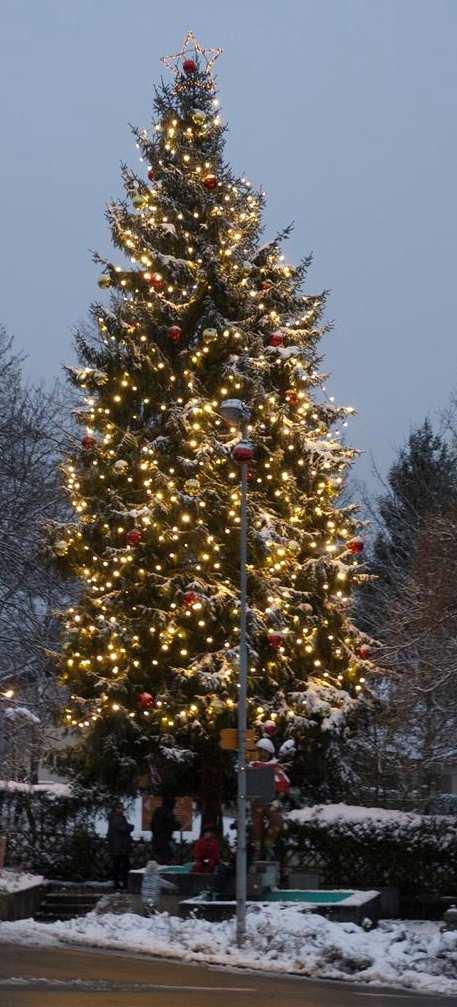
163, 824
206, 853
120, 843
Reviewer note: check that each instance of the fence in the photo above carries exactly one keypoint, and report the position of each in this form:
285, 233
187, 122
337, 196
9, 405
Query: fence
56, 835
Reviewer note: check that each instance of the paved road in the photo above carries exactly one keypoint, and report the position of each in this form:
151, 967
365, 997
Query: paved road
65, 977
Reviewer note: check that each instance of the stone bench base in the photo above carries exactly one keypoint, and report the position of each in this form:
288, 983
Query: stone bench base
20, 905
367, 909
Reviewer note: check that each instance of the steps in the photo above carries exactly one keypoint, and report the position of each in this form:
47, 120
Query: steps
64, 902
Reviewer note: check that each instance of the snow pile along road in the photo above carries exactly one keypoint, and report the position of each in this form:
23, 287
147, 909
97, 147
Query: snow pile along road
281, 938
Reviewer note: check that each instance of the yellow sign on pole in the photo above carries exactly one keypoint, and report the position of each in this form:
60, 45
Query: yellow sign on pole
250, 741
229, 739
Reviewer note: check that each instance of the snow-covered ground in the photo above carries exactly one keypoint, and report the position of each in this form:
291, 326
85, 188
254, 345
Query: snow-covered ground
281, 938
14, 881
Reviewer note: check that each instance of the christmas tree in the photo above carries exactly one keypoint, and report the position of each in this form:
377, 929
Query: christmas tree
208, 338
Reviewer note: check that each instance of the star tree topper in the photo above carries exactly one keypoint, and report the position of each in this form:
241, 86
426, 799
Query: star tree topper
191, 48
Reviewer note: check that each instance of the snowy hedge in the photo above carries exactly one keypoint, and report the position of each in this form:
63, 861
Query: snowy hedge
52, 830
371, 847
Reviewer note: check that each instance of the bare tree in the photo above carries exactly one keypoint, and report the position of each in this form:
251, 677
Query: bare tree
32, 435
411, 608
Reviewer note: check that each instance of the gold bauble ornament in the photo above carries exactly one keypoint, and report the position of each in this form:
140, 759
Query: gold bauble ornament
192, 486
198, 117
61, 547
121, 466
210, 333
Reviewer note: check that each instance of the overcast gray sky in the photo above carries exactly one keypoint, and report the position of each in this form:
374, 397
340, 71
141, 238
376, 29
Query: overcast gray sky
344, 110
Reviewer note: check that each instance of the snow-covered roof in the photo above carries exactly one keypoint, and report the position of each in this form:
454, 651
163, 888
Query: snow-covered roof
55, 789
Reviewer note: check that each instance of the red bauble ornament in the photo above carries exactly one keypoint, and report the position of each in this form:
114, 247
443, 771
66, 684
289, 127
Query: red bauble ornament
156, 281
145, 699
189, 66
265, 285
364, 650
292, 397
189, 598
355, 546
243, 452
275, 640
174, 333
276, 338
134, 536
151, 175
88, 442
210, 181
270, 727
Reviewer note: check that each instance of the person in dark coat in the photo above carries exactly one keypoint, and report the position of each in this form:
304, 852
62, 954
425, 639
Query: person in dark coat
120, 843
163, 824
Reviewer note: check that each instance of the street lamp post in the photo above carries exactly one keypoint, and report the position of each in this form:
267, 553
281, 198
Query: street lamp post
241, 850
238, 413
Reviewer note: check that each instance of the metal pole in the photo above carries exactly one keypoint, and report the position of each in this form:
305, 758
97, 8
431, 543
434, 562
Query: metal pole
241, 850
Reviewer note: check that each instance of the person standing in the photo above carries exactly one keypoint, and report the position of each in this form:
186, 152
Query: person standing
206, 853
163, 824
120, 844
